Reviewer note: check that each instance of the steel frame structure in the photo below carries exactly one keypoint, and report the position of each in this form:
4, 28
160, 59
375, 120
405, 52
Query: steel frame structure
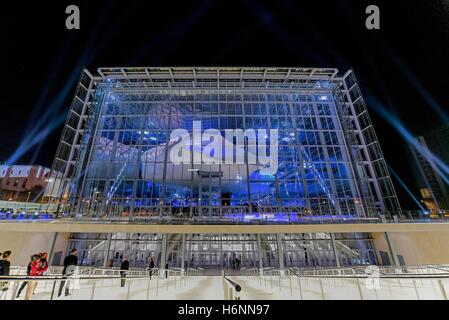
373, 182
218, 250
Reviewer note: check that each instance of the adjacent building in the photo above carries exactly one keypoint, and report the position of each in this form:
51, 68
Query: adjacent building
433, 187
23, 182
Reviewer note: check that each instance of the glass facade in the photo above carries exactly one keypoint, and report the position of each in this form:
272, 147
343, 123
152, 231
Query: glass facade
123, 165
122, 176
220, 250
257, 145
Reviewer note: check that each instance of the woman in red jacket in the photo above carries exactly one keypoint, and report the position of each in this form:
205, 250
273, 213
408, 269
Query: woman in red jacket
38, 267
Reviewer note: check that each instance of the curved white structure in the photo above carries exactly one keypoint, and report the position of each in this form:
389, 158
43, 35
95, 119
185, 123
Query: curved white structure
188, 172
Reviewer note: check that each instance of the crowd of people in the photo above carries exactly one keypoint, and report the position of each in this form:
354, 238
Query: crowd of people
5, 265
38, 266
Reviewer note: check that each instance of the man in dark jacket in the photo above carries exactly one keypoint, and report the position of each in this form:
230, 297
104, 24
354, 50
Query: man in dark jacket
70, 262
151, 266
5, 264
166, 270
4, 269
123, 268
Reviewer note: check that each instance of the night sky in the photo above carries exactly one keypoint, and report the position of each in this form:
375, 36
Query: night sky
405, 65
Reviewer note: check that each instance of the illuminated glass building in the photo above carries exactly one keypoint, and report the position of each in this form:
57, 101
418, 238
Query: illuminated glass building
114, 163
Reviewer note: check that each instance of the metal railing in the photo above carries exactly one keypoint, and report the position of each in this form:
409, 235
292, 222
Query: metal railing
86, 270
383, 270
231, 288
22, 270
372, 282
358, 283
101, 283
406, 216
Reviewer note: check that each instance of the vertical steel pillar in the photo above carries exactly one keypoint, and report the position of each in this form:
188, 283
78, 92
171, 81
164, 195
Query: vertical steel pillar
189, 251
221, 251
280, 251
163, 252
392, 250
260, 251
242, 259
52, 248
334, 248
183, 252
108, 249
200, 251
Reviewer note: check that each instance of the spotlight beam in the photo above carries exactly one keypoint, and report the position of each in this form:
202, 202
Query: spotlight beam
41, 128
440, 167
403, 185
423, 92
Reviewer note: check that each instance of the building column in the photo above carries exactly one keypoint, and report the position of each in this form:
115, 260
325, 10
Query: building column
259, 251
221, 251
280, 251
108, 249
334, 248
183, 252
392, 250
133, 200
163, 251
51, 247
242, 258
200, 251
188, 250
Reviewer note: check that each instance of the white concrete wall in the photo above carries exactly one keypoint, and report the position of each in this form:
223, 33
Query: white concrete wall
24, 244
417, 248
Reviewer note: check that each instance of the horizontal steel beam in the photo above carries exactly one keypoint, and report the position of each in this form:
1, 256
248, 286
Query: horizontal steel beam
62, 226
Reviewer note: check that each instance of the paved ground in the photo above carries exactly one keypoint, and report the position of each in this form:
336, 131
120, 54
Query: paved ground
206, 288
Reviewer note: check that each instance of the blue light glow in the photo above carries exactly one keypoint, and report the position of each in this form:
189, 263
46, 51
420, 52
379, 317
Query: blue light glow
425, 94
402, 183
440, 167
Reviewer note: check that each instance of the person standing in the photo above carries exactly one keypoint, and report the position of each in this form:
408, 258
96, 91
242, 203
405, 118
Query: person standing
44, 262
166, 270
5, 265
33, 257
70, 263
124, 267
306, 257
151, 266
38, 267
